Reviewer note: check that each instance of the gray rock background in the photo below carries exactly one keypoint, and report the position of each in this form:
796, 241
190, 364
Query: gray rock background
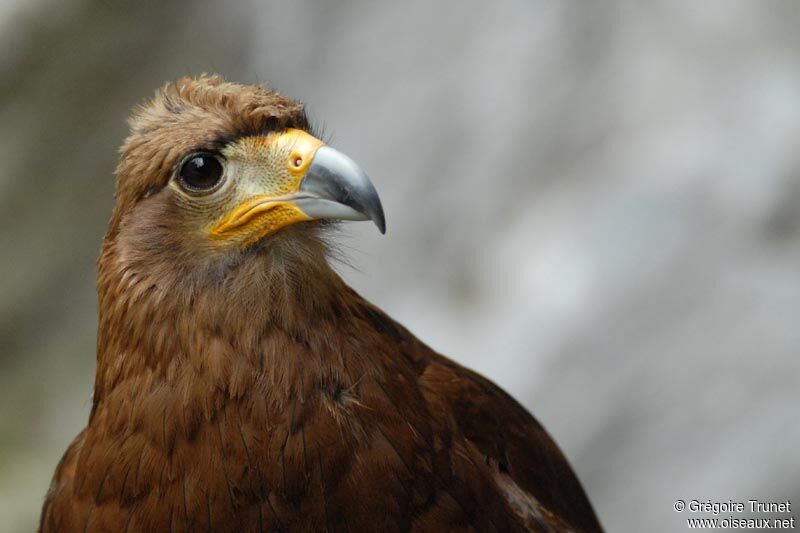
594, 204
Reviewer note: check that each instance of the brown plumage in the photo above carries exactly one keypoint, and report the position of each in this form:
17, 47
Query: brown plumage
243, 386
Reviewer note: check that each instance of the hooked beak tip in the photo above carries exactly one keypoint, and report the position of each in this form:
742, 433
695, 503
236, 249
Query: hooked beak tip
340, 189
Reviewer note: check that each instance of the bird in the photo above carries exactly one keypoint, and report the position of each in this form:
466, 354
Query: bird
242, 385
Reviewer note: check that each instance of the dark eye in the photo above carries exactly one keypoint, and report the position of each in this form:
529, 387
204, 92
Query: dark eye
200, 173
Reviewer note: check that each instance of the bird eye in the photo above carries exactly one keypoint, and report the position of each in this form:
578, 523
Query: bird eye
200, 173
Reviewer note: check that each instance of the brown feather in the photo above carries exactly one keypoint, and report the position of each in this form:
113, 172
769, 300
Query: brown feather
255, 391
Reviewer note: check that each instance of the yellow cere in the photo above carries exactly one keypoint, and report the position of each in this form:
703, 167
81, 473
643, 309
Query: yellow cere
266, 172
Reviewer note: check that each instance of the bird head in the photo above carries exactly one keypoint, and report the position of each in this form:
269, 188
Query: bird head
219, 233
215, 172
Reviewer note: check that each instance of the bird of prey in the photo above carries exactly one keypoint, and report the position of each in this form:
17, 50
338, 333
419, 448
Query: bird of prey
242, 386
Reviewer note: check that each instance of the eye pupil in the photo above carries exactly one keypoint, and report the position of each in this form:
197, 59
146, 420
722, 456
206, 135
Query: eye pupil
201, 172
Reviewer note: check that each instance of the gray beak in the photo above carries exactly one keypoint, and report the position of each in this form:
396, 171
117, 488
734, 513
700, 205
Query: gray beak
335, 187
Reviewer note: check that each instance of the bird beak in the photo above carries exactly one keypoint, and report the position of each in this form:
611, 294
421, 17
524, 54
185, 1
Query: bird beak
314, 182
335, 187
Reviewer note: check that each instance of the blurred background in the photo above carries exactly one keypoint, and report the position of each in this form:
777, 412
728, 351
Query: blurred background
597, 205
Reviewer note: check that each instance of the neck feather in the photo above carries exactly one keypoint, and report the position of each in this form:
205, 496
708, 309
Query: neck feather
161, 320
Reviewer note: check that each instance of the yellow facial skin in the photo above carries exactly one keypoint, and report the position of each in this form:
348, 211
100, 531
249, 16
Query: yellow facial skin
268, 172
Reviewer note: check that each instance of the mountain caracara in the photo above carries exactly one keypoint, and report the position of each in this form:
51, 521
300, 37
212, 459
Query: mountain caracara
243, 386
